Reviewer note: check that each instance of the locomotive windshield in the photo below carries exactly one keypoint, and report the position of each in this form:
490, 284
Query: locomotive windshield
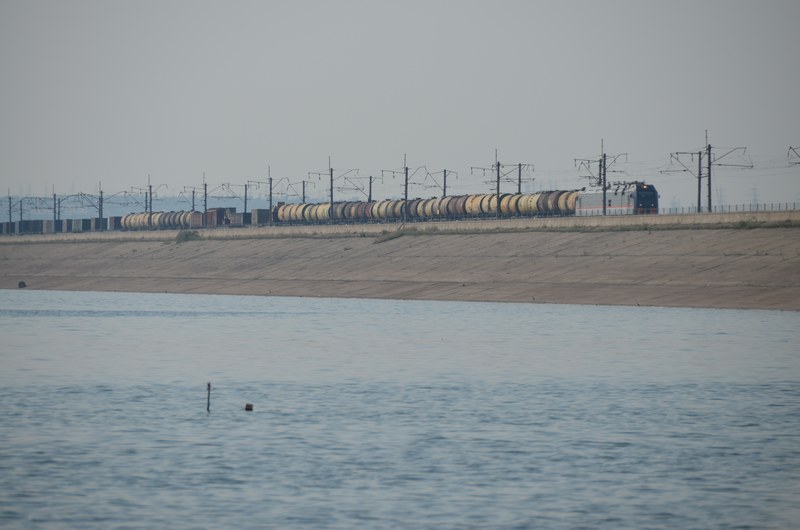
646, 198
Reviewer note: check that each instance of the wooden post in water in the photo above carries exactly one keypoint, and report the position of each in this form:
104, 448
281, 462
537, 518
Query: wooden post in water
208, 402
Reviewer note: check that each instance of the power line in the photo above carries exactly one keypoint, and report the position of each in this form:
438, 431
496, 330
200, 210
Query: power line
302, 194
271, 186
600, 179
705, 160
794, 156
329, 173
406, 180
356, 184
497, 168
444, 174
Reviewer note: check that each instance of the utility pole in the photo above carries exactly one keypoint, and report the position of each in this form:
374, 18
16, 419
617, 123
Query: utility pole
699, 180
605, 184
194, 194
603, 163
142, 191
269, 183
229, 189
498, 187
271, 186
677, 157
496, 168
405, 195
357, 186
150, 192
406, 180
329, 174
86, 200
708, 159
706, 155
444, 173
205, 201
302, 194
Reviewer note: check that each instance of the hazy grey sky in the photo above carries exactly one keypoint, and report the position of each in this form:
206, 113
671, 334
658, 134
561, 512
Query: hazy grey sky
113, 91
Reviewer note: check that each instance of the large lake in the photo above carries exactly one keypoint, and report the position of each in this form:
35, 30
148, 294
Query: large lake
393, 414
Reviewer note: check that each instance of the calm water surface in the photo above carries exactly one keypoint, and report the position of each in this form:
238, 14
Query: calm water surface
393, 414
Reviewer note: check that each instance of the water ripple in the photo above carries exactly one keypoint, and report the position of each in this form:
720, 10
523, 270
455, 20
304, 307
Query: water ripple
104, 421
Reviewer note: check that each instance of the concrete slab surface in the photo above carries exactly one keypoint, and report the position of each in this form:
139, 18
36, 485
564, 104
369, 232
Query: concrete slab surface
755, 268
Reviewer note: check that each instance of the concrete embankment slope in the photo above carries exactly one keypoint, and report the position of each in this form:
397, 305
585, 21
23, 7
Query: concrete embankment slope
689, 267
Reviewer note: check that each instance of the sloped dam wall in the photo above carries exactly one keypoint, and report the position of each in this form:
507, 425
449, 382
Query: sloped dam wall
727, 263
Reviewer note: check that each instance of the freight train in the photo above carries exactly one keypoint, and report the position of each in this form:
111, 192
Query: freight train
636, 198
632, 199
